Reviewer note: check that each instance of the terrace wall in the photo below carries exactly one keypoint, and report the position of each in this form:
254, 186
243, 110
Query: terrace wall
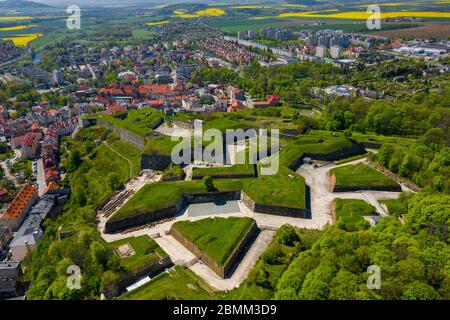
155, 161
335, 188
175, 178
112, 226
114, 289
212, 264
125, 135
271, 209
183, 125
140, 219
346, 152
230, 176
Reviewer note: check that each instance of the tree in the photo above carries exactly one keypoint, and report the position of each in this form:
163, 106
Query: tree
113, 180
3, 148
434, 137
80, 197
74, 160
385, 154
209, 183
344, 286
420, 291
287, 235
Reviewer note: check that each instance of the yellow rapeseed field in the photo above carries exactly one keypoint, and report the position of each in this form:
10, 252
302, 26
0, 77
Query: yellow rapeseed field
24, 39
157, 23
362, 15
180, 11
14, 18
212, 12
14, 28
382, 5
294, 5
251, 7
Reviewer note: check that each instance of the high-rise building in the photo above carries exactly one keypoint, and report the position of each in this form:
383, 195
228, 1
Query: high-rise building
58, 77
242, 35
251, 34
336, 51
321, 51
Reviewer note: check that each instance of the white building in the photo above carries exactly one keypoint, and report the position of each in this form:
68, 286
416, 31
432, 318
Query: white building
321, 51
336, 52
26, 237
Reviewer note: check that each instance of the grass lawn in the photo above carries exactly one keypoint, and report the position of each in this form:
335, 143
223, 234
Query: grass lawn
361, 175
136, 121
225, 122
218, 238
102, 161
6, 155
130, 152
146, 251
350, 211
163, 194
350, 159
242, 169
178, 284
90, 134
172, 171
380, 139
313, 144
162, 145
395, 207
278, 190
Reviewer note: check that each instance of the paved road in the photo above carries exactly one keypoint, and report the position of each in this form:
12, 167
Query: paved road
17, 156
40, 179
321, 197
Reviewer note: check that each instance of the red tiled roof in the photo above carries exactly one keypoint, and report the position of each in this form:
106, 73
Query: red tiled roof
154, 89
20, 202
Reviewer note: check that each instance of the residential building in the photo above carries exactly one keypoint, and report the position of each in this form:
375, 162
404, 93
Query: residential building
26, 237
321, 51
17, 210
10, 269
336, 52
58, 77
242, 34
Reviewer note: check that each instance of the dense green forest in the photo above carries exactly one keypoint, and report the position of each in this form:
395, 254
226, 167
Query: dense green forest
413, 255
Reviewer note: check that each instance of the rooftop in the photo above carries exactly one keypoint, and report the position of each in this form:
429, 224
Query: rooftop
20, 202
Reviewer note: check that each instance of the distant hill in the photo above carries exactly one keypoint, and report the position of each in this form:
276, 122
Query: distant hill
21, 5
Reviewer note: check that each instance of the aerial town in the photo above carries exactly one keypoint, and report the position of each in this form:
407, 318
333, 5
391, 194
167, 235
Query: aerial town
357, 123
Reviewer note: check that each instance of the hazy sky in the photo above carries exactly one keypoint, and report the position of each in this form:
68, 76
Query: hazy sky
93, 2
